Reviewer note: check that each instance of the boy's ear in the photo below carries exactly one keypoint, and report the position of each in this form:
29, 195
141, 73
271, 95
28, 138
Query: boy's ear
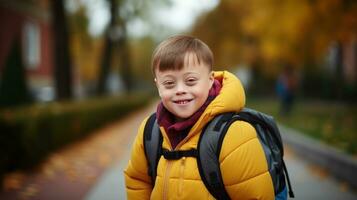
155, 80
211, 78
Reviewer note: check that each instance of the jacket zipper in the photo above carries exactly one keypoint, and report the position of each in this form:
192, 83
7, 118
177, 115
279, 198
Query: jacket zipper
166, 179
182, 170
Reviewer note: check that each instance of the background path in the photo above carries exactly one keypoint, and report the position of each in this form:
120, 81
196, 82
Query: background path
70, 173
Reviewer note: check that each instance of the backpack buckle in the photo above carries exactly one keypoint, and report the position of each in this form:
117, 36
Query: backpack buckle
176, 155
171, 155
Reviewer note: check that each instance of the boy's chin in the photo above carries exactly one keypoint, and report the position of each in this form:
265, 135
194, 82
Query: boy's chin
182, 117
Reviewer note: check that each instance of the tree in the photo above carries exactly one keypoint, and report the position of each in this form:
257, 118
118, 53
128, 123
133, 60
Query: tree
117, 39
63, 66
275, 31
13, 85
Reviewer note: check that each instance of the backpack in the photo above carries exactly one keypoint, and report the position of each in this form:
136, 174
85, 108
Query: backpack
209, 146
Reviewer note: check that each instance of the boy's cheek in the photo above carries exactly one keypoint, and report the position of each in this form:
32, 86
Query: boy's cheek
164, 95
159, 92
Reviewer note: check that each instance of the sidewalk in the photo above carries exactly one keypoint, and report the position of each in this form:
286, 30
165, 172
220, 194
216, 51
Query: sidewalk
313, 182
336, 162
69, 174
111, 185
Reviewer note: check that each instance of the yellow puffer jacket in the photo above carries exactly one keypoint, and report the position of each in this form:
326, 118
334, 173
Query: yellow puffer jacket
243, 164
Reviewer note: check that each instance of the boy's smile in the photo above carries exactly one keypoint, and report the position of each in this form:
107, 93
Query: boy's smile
183, 102
184, 91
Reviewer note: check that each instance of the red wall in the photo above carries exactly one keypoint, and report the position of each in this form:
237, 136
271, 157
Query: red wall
11, 24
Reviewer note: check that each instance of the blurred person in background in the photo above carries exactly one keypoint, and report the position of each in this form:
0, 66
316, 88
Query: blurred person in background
286, 86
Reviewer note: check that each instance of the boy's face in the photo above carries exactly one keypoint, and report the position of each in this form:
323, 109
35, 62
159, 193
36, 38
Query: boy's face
184, 91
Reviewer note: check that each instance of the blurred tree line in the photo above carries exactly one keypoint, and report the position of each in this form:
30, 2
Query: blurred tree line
270, 34
265, 35
114, 51
78, 57
81, 56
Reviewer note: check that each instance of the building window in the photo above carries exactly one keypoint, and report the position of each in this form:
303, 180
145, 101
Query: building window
31, 45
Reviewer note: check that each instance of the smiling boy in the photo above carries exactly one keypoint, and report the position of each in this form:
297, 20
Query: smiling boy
184, 91
191, 96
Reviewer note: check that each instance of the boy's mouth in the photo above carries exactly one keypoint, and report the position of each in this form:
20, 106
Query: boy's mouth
183, 102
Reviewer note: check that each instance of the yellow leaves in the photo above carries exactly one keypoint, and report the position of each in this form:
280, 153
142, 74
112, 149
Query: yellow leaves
259, 19
29, 191
294, 19
291, 31
327, 129
279, 27
86, 57
104, 160
270, 50
229, 51
328, 7
319, 171
344, 187
13, 181
49, 173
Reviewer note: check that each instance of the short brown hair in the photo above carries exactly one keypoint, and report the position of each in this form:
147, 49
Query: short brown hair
170, 53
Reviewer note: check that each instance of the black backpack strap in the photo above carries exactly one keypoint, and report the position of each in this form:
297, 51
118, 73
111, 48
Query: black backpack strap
152, 145
209, 147
266, 121
291, 192
175, 155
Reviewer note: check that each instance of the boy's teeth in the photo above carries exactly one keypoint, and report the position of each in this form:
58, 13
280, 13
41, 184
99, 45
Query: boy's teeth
182, 102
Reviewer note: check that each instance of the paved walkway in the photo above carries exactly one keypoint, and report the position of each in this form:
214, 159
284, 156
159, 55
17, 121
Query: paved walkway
312, 182
70, 174
93, 170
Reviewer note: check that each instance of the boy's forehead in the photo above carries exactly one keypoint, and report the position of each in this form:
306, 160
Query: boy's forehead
188, 68
191, 58
182, 64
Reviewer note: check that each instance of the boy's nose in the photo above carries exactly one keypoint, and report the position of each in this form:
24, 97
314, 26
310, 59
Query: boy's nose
180, 92
180, 89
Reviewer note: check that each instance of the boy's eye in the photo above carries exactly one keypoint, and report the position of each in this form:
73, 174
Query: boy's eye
169, 83
191, 81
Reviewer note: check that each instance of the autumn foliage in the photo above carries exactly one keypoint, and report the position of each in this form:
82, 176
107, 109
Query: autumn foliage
266, 33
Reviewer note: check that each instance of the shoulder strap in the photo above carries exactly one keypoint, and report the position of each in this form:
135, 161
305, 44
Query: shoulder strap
211, 140
209, 147
152, 145
262, 121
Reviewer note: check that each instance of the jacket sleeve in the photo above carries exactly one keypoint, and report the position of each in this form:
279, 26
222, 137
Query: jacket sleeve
243, 164
137, 181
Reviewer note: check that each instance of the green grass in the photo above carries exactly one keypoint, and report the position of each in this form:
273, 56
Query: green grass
332, 123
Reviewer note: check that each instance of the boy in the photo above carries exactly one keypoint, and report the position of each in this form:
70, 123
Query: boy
191, 95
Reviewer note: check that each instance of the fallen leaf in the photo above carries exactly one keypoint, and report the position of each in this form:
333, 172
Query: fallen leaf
13, 181
29, 191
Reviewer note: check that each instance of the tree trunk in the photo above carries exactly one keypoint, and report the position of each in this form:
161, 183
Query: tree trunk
339, 79
62, 65
126, 66
105, 66
107, 49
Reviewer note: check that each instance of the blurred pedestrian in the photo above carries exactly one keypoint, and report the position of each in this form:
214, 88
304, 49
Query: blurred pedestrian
286, 87
191, 96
